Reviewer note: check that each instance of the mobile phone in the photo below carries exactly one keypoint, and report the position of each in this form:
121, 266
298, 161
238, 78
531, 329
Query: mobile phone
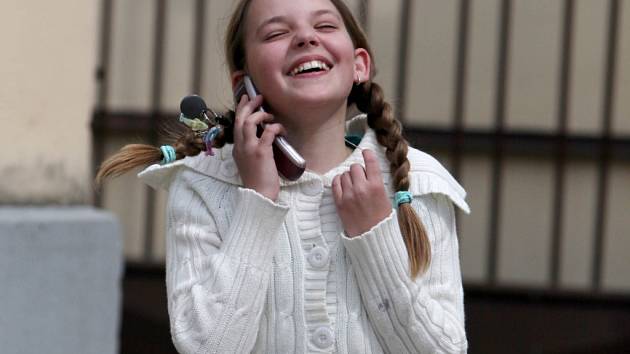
289, 162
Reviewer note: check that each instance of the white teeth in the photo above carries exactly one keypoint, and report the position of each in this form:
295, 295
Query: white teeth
309, 65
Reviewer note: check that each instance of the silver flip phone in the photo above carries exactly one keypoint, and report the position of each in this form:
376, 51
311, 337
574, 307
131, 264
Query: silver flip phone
289, 162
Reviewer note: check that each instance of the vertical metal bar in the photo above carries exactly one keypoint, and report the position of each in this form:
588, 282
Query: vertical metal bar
604, 161
403, 53
198, 45
102, 74
98, 155
499, 118
460, 86
566, 50
102, 77
156, 99
364, 8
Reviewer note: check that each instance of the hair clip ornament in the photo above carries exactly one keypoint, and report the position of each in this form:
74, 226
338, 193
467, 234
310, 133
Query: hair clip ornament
196, 125
209, 137
402, 197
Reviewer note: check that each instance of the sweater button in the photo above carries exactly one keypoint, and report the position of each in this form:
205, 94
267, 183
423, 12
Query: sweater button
318, 257
312, 188
323, 337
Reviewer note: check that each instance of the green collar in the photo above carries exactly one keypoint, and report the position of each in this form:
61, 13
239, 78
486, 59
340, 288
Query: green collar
352, 139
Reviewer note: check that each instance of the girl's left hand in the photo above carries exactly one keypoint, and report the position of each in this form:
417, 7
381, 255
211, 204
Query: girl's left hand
360, 196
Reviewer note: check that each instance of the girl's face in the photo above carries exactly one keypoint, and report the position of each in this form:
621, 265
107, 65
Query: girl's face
300, 55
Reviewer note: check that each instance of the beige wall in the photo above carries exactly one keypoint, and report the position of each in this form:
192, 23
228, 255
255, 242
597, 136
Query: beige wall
46, 98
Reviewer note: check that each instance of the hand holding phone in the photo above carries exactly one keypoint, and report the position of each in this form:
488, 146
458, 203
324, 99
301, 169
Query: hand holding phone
289, 163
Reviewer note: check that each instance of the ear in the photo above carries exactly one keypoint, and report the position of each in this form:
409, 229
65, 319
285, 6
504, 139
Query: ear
362, 64
236, 76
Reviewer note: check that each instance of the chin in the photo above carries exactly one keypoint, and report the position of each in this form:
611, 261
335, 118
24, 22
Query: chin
320, 94
322, 100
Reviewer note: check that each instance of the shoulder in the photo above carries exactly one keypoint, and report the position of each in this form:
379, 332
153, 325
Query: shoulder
427, 175
160, 176
190, 170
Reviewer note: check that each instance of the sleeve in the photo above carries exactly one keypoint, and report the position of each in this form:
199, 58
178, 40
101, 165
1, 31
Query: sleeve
425, 315
217, 283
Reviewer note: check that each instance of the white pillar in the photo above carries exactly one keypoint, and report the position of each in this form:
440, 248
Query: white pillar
47, 92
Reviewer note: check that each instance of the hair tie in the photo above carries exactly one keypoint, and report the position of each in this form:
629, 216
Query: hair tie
169, 154
402, 197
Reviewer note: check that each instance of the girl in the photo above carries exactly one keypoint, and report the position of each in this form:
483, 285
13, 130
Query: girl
256, 263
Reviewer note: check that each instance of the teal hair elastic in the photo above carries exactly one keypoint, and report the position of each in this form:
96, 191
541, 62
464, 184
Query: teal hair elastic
169, 154
402, 197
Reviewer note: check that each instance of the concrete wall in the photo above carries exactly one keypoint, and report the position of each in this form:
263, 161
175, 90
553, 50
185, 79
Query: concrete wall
60, 270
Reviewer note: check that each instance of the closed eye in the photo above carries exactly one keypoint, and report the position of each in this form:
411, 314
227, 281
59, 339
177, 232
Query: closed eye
273, 35
326, 27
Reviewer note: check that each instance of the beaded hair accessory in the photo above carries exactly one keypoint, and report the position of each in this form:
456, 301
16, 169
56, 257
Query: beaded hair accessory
207, 128
194, 116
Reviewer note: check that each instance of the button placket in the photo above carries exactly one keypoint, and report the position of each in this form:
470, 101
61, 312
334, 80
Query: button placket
317, 259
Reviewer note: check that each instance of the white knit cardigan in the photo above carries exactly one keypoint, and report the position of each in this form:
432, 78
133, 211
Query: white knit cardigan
246, 274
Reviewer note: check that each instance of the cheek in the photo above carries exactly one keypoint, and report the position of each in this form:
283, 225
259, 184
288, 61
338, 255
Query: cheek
344, 50
347, 64
264, 61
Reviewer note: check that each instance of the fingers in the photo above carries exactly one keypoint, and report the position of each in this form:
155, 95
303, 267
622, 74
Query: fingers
372, 169
336, 189
359, 182
270, 133
247, 120
357, 174
346, 184
244, 110
342, 187
250, 126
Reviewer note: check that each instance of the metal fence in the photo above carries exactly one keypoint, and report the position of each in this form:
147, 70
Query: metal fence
499, 143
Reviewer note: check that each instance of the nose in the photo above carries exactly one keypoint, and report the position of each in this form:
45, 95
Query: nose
305, 38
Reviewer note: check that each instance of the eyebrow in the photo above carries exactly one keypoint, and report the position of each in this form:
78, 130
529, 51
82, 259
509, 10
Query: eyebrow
277, 19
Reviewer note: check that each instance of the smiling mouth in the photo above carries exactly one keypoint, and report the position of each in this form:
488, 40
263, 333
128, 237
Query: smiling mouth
309, 67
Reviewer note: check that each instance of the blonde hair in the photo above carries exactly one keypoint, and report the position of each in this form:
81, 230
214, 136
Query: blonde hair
368, 98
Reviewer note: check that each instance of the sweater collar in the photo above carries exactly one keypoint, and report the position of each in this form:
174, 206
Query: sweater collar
426, 174
223, 167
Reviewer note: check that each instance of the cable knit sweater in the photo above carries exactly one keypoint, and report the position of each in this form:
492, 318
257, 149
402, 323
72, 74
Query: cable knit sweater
246, 274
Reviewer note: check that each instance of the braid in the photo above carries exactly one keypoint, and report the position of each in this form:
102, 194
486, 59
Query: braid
369, 98
184, 141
